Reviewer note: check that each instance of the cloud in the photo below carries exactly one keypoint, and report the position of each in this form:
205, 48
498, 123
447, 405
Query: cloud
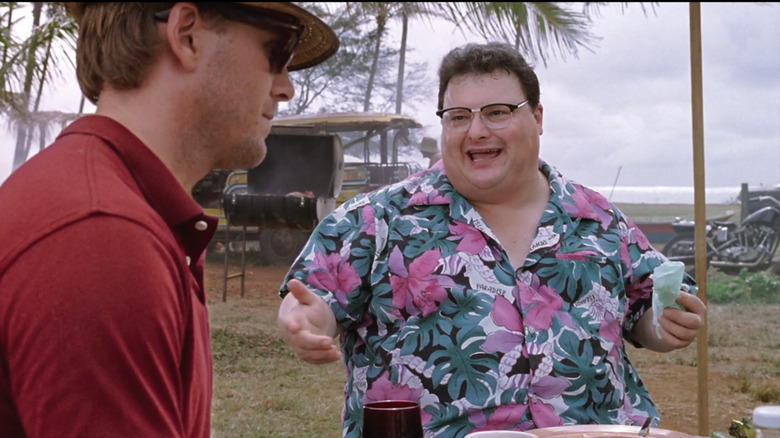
627, 105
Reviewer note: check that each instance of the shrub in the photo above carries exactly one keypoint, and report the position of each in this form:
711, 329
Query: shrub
763, 287
757, 287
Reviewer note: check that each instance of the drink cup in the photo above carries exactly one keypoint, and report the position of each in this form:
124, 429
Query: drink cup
392, 419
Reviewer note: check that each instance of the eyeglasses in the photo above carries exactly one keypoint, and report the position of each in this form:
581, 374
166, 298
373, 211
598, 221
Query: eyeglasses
280, 54
494, 116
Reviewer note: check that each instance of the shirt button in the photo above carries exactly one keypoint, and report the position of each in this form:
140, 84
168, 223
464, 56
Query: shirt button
201, 225
188, 260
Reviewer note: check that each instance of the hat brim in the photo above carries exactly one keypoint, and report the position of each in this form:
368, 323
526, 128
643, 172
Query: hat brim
318, 41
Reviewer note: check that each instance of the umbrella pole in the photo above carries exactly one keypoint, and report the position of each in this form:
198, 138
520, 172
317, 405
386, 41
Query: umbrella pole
700, 212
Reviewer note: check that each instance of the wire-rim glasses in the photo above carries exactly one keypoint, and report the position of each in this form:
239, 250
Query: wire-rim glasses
280, 54
494, 116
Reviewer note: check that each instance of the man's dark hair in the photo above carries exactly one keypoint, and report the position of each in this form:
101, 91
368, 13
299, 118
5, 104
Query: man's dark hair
483, 59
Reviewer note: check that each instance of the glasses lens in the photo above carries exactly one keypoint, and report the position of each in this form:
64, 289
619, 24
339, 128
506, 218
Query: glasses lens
457, 118
288, 28
282, 52
496, 116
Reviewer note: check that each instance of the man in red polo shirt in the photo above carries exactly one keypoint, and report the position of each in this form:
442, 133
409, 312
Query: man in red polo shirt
103, 318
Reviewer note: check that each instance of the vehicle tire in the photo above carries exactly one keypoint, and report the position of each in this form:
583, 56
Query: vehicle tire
682, 249
280, 247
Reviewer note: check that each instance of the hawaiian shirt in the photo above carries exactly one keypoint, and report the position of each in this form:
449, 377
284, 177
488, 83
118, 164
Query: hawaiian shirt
433, 311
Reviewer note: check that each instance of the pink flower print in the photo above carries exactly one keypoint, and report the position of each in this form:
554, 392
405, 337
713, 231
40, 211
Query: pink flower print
637, 290
612, 330
471, 239
428, 196
592, 205
505, 417
596, 198
505, 315
418, 283
635, 235
384, 389
369, 223
543, 413
335, 275
583, 255
542, 304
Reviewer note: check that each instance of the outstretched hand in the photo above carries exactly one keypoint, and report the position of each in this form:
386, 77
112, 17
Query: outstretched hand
308, 325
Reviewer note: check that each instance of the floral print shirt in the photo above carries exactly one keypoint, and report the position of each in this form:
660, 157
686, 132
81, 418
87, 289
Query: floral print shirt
432, 310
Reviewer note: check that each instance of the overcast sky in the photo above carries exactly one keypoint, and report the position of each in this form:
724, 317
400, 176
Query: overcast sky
626, 107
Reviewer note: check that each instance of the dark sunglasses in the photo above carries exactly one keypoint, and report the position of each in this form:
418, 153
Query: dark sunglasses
282, 53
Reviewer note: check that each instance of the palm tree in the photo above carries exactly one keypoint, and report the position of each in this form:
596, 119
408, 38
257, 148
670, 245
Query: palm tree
538, 29
535, 28
27, 68
382, 12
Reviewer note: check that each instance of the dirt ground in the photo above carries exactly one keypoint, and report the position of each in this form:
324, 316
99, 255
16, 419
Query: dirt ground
672, 378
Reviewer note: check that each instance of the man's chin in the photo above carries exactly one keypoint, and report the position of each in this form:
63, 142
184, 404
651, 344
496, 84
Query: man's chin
259, 159
251, 158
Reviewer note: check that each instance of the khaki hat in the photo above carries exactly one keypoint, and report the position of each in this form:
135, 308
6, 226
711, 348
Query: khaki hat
429, 145
318, 41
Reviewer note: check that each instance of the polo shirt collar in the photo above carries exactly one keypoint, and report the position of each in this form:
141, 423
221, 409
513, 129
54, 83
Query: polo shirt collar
157, 184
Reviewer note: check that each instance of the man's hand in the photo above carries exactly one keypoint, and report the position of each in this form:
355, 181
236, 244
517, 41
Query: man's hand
308, 325
678, 327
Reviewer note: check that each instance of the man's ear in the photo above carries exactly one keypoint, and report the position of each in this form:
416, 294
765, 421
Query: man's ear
539, 116
182, 34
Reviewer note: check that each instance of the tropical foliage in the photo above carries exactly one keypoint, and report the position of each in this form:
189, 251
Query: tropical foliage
369, 73
29, 64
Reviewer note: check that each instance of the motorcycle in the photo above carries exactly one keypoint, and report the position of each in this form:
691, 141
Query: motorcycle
732, 247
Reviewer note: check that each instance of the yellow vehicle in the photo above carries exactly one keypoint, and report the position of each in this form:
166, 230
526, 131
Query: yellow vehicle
304, 177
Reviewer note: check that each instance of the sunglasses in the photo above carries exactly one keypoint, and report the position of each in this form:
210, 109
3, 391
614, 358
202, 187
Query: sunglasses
280, 54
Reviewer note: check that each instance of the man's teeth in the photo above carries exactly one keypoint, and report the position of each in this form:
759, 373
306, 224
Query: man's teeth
483, 155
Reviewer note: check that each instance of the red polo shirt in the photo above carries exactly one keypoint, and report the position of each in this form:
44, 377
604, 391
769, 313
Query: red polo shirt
103, 319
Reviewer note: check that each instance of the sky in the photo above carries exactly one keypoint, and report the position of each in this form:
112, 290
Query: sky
621, 115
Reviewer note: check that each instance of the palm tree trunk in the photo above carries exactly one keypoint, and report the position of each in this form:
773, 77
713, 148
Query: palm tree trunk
381, 24
399, 97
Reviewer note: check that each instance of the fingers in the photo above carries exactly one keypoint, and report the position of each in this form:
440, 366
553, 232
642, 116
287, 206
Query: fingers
692, 304
308, 346
315, 349
676, 335
679, 328
305, 322
301, 293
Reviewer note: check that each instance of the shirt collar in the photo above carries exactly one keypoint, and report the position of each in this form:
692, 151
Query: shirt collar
575, 199
155, 181
432, 187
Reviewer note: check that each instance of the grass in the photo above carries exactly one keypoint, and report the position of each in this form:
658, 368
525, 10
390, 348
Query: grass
261, 389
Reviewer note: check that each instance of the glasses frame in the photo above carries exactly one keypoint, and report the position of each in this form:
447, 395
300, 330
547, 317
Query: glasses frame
279, 58
473, 111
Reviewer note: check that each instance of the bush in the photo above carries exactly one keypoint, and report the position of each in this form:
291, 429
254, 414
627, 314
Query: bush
763, 287
758, 287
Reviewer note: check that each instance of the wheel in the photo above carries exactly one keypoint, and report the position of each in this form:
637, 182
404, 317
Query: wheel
281, 246
682, 249
250, 251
